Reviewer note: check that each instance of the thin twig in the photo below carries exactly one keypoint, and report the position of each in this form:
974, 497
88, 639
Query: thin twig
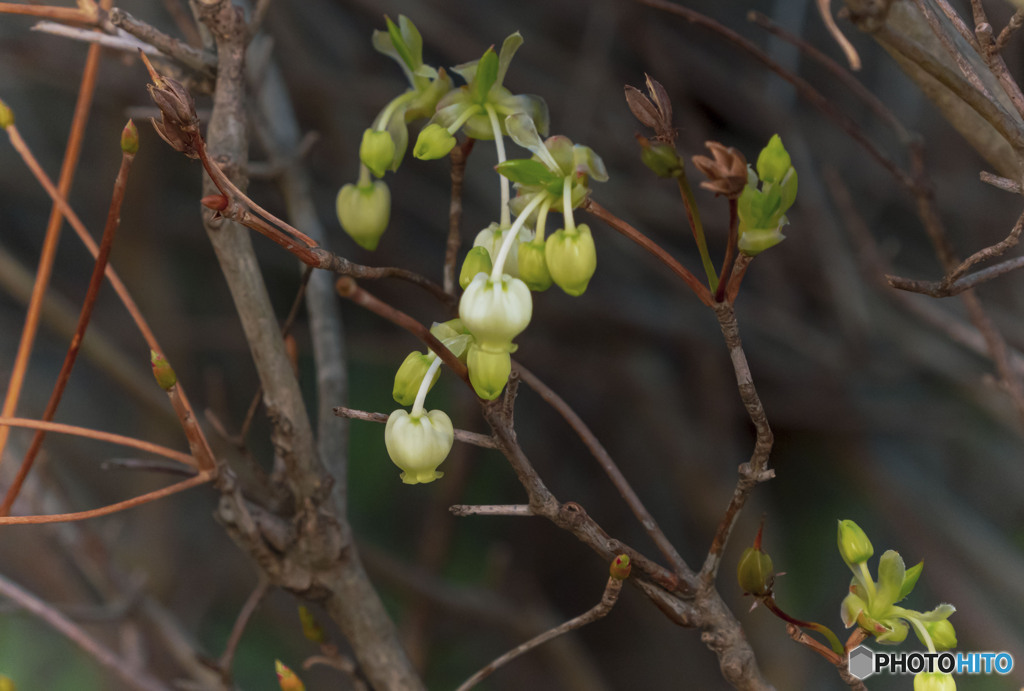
1012, 26
492, 510
122, 41
227, 658
998, 181
109, 437
128, 673
484, 441
344, 267
199, 479
95, 282
458, 157
699, 289
600, 610
611, 469
966, 68
201, 61
57, 14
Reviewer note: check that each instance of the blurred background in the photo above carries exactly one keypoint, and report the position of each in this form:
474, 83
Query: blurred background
879, 416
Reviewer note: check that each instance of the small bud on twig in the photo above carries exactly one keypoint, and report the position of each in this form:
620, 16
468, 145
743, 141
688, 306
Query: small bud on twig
620, 567
130, 138
162, 371
6, 115
217, 202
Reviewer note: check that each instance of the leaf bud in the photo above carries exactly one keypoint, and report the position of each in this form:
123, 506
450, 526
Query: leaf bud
162, 371
287, 678
130, 138
660, 158
311, 628
620, 567
6, 115
755, 572
773, 162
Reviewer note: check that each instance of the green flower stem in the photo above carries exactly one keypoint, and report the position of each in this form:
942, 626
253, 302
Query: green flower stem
364, 176
499, 144
825, 631
381, 123
570, 222
513, 234
421, 395
693, 216
542, 218
922, 631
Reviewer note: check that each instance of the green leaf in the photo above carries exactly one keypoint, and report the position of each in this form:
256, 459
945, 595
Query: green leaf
528, 171
910, 580
401, 47
508, 50
486, 76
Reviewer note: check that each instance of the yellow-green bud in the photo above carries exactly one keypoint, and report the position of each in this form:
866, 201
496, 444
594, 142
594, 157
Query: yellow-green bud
364, 212
478, 260
571, 258
854, 545
162, 371
934, 681
493, 236
620, 567
311, 628
942, 633
410, 375
662, 159
6, 115
130, 138
419, 443
434, 142
377, 151
489, 369
6, 683
755, 573
533, 266
286, 678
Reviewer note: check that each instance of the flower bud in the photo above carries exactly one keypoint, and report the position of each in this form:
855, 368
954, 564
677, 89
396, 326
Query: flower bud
162, 371
6, 683
571, 258
620, 567
934, 681
660, 158
755, 573
286, 678
6, 116
364, 212
496, 312
130, 138
377, 151
434, 142
773, 162
942, 633
311, 628
489, 369
533, 266
493, 236
478, 260
410, 375
419, 443
854, 545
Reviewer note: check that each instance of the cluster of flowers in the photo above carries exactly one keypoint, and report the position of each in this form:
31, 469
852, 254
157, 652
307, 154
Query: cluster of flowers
872, 604
509, 259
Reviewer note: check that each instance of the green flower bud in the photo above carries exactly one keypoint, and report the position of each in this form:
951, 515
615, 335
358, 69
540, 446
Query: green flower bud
571, 259
286, 678
755, 573
854, 546
478, 260
496, 312
934, 681
410, 375
773, 162
620, 567
130, 138
493, 236
377, 151
419, 443
942, 633
434, 142
661, 158
533, 266
162, 371
364, 212
489, 369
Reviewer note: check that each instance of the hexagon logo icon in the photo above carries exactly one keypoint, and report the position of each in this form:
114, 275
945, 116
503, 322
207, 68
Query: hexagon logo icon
862, 662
